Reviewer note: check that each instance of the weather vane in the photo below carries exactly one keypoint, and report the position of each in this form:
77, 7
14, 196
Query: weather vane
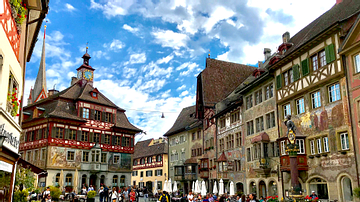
87, 47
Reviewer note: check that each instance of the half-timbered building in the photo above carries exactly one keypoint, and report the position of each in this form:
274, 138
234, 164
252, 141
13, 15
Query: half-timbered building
78, 135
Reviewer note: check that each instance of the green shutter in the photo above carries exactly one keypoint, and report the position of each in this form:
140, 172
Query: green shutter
53, 132
67, 131
79, 135
92, 114
330, 53
305, 67
296, 72
81, 112
278, 82
91, 138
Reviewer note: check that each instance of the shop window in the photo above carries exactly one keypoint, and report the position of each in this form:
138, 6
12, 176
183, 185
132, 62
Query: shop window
115, 181
122, 180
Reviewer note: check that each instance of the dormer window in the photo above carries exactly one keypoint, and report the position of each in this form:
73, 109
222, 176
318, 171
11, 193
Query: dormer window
94, 94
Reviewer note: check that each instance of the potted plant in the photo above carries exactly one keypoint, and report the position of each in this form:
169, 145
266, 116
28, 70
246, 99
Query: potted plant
272, 199
18, 11
21, 196
91, 196
13, 100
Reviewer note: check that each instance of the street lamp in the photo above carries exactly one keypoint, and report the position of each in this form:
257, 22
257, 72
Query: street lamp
2, 139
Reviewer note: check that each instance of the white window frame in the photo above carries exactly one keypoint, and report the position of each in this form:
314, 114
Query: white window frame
301, 144
287, 110
67, 154
334, 92
326, 144
312, 147
357, 63
300, 105
283, 151
319, 145
346, 146
114, 159
315, 96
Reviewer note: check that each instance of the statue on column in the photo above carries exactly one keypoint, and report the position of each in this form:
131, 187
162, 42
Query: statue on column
291, 129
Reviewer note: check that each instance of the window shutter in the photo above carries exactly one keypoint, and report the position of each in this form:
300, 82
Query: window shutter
103, 116
113, 139
331, 53
296, 72
53, 132
66, 133
305, 67
40, 133
278, 81
92, 114
79, 135
81, 112
122, 141
91, 138
102, 137
132, 142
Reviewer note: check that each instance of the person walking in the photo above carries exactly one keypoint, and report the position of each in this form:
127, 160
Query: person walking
190, 197
146, 194
253, 198
101, 193
126, 194
106, 193
114, 195
164, 197
132, 195
46, 195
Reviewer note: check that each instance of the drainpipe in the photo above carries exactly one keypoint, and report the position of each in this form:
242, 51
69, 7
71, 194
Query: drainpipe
353, 128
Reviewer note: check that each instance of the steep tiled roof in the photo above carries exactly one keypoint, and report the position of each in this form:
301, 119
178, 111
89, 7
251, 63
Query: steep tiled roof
338, 13
184, 121
123, 122
222, 158
220, 78
142, 149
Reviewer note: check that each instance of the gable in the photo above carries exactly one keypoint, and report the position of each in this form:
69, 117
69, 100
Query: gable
353, 37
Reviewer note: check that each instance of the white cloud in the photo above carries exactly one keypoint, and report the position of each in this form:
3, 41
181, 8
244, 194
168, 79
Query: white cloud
165, 59
184, 93
112, 8
133, 30
69, 7
189, 66
100, 55
219, 14
168, 38
153, 70
116, 45
136, 58
181, 87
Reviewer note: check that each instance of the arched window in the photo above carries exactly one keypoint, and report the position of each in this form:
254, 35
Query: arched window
262, 189
158, 158
57, 179
135, 162
346, 188
142, 161
122, 180
115, 181
320, 187
68, 181
272, 188
149, 159
83, 179
252, 187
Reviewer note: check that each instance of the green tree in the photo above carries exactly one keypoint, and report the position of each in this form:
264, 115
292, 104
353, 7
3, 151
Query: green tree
24, 177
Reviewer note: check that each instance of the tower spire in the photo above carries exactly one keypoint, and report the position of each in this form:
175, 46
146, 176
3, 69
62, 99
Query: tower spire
40, 89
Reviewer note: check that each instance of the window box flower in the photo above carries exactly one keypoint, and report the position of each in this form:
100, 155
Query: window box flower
13, 104
18, 11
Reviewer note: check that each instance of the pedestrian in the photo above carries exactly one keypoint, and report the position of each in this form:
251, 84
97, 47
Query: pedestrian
46, 195
132, 195
313, 195
106, 193
222, 198
190, 197
126, 194
91, 188
121, 195
83, 190
146, 194
164, 197
101, 193
253, 198
114, 195
242, 199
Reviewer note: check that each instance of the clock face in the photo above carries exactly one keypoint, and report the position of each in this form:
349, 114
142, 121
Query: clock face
79, 74
88, 75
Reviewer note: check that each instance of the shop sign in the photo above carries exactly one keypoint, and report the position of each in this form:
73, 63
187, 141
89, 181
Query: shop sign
7, 167
10, 139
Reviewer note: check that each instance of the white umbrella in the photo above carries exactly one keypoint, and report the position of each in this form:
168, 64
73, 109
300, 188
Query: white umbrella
155, 187
215, 190
165, 186
197, 187
232, 188
193, 187
221, 187
169, 188
203, 188
175, 189
76, 181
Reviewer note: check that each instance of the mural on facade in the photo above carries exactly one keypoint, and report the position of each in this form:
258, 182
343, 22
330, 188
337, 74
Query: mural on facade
58, 158
124, 162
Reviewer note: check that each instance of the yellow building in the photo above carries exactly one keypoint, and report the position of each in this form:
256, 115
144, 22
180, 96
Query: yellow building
150, 163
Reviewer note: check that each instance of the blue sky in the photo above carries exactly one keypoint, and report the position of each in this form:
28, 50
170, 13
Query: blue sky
147, 53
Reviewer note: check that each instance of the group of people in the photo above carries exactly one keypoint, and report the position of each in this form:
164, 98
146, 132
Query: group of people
126, 194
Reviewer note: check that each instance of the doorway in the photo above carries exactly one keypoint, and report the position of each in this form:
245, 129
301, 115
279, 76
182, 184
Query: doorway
149, 186
93, 181
262, 189
240, 188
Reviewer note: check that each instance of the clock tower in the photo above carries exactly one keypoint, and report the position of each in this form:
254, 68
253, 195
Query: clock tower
85, 73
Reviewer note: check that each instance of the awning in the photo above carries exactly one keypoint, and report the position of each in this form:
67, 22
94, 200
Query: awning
40, 172
263, 137
222, 158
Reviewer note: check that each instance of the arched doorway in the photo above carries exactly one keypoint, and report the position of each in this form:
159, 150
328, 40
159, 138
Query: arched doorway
272, 187
102, 180
262, 189
320, 187
252, 188
240, 187
92, 181
149, 186
346, 189
83, 180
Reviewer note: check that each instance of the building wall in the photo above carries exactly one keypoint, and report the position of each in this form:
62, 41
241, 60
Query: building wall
329, 120
271, 180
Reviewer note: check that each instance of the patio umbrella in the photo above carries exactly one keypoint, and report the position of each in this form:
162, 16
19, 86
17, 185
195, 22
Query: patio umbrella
193, 187
221, 187
76, 176
165, 186
36, 180
175, 189
61, 180
155, 187
232, 188
215, 190
203, 188
169, 189
197, 187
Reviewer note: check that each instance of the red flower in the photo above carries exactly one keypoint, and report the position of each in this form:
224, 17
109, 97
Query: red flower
15, 88
19, 101
276, 196
317, 198
17, 115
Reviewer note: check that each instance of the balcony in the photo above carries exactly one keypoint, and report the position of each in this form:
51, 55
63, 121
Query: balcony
262, 167
190, 176
179, 177
204, 174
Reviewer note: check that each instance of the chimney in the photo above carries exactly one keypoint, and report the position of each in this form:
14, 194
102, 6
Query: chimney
286, 37
338, 1
73, 80
52, 92
267, 53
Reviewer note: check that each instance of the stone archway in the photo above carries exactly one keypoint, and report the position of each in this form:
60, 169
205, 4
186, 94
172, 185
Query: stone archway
240, 187
320, 187
262, 189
